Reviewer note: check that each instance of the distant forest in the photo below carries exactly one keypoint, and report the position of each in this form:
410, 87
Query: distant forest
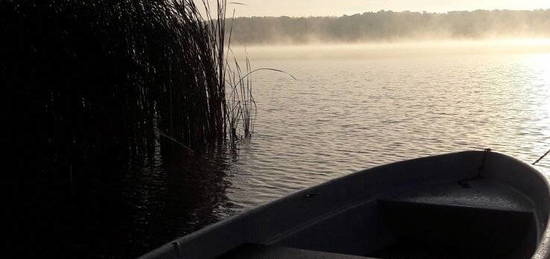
392, 26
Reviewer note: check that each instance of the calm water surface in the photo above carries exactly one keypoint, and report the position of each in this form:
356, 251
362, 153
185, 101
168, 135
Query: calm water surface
350, 113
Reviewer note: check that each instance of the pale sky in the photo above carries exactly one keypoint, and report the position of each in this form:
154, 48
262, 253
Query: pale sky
341, 7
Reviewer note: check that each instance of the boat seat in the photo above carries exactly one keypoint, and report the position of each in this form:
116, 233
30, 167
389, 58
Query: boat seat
480, 193
457, 221
257, 251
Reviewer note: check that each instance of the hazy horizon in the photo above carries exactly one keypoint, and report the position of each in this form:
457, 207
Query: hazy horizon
389, 26
231, 8
303, 8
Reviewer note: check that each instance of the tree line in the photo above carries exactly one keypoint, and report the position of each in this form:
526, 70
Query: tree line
392, 26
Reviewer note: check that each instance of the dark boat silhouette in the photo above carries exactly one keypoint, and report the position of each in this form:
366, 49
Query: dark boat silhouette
462, 205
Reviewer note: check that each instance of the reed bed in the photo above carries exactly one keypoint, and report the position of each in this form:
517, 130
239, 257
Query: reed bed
92, 88
96, 73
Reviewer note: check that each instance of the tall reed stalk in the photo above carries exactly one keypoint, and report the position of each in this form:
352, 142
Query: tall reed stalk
92, 87
101, 72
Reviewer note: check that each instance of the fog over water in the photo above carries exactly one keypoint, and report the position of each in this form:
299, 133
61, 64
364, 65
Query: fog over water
388, 26
401, 49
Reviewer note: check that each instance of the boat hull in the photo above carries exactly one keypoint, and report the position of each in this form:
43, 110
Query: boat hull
467, 205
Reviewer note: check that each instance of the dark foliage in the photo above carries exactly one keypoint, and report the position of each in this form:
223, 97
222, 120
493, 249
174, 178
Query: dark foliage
391, 26
94, 88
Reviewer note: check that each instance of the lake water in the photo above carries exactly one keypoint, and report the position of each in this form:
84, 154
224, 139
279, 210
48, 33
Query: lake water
347, 114
355, 108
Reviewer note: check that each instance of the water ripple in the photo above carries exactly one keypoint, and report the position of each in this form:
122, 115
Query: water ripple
347, 115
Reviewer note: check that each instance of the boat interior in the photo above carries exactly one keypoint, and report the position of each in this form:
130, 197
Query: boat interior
475, 218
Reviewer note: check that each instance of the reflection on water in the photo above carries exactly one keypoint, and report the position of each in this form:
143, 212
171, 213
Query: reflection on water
174, 198
114, 216
344, 115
